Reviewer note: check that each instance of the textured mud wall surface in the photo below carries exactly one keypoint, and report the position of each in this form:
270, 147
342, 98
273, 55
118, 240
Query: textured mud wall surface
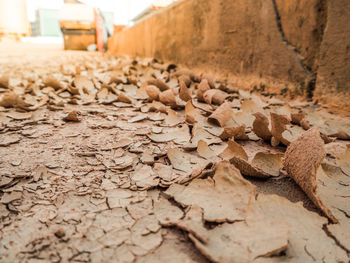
297, 47
333, 76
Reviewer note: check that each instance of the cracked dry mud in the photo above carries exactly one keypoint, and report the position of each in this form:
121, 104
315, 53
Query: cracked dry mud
112, 159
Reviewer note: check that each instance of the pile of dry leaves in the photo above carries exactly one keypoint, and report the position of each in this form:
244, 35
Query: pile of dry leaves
132, 160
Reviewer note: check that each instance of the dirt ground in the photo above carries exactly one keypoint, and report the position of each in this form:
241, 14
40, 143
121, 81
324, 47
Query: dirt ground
113, 159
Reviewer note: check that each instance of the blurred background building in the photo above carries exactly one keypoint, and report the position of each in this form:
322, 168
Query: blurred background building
40, 19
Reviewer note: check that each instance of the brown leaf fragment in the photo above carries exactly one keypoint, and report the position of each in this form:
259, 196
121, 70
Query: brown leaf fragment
237, 133
215, 96
344, 161
221, 115
261, 126
225, 198
168, 98
202, 88
161, 85
73, 116
152, 92
185, 93
302, 160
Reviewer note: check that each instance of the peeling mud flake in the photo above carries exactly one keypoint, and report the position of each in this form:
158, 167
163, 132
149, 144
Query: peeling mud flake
263, 165
307, 241
221, 115
243, 241
144, 177
6, 140
344, 161
72, 116
224, 198
302, 160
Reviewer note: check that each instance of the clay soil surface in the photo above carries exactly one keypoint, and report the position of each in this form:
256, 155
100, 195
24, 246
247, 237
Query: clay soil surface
115, 159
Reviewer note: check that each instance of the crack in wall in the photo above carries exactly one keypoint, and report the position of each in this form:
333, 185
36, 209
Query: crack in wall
322, 18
